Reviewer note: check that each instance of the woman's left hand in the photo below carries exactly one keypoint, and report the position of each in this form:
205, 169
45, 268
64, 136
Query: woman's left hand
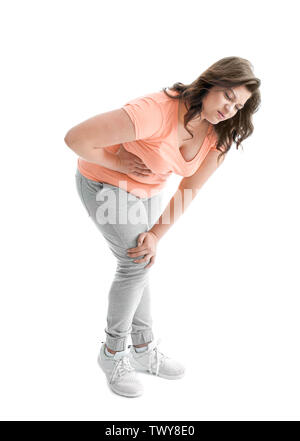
147, 243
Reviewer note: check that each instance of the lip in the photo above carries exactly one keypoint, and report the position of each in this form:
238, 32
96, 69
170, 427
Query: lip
221, 115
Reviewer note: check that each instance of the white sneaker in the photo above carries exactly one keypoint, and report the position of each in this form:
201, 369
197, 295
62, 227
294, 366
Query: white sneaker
121, 376
155, 362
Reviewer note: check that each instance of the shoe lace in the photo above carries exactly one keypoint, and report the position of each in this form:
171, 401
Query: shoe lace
156, 357
122, 367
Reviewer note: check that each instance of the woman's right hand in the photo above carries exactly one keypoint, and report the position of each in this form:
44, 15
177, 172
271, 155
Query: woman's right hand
131, 164
146, 246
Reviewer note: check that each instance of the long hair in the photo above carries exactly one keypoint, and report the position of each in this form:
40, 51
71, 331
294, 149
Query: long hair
227, 72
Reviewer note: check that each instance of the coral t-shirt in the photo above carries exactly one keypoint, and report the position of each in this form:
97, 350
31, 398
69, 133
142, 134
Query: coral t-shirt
155, 118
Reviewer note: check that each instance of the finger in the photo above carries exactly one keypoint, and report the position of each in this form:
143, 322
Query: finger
140, 174
137, 249
139, 160
147, 257
140, 243
141, 165
152, 260
142, 170
138, 253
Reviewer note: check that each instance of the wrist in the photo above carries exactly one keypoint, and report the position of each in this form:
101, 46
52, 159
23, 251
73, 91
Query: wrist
117, 163
157, 237
109, 160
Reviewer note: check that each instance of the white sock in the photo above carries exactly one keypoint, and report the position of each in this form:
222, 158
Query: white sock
142, 349
109, 354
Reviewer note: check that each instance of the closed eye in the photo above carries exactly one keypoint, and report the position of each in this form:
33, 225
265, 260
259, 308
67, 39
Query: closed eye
228, 97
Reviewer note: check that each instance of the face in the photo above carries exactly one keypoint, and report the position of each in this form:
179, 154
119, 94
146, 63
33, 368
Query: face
228, 101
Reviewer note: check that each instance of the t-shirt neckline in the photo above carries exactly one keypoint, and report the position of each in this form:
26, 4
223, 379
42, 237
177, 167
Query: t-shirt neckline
203, 145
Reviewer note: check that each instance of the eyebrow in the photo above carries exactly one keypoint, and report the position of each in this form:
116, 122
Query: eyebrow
235, 95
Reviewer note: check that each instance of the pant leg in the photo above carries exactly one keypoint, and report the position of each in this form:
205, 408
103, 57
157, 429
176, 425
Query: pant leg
127, 219
142, 322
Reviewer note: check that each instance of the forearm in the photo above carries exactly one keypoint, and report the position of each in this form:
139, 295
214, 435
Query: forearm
95, 155
186, 192
175, 208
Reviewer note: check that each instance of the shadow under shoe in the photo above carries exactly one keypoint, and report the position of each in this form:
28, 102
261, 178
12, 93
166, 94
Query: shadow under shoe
120, 374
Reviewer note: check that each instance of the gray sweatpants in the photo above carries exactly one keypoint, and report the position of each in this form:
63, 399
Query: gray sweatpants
122, 217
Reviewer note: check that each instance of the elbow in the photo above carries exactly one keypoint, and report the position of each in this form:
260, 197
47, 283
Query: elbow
73, 141
70, 140
67, 139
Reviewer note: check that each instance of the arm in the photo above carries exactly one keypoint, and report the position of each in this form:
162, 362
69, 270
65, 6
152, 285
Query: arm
186, 192
88, 138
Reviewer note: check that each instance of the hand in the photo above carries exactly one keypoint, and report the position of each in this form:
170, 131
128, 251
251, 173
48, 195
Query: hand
147, 243
130, 163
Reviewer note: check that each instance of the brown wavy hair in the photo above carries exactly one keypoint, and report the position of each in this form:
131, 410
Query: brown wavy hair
227, 72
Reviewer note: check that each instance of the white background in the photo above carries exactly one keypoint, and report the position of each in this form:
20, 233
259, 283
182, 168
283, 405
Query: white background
225, 290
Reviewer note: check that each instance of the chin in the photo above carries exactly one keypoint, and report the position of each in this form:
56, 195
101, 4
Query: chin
216, 120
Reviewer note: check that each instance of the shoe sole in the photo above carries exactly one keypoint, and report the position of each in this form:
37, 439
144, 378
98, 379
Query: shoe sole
168, 377
116, 391
122, 394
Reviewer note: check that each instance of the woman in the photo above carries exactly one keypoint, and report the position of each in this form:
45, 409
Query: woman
125, 158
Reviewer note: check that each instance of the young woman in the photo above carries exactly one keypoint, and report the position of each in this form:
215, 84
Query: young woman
125, 158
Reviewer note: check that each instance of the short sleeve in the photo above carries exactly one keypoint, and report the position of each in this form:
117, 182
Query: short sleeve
214, 146
214, 149
146, 115
214, 142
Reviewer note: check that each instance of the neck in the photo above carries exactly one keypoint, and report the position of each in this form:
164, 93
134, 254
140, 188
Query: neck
196, 121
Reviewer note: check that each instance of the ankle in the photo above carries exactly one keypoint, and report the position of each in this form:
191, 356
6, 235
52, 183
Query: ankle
142, 345
110, 350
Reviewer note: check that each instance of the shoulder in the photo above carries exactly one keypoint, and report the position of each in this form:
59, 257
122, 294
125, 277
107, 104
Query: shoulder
158, 98
147, 114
